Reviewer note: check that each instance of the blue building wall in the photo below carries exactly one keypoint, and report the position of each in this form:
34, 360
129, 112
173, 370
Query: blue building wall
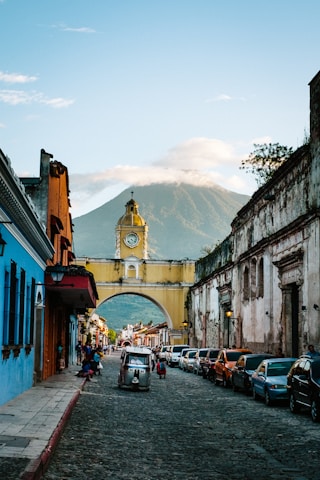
17, 373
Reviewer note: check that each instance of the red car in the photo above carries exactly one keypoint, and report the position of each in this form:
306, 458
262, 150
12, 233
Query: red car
225, 362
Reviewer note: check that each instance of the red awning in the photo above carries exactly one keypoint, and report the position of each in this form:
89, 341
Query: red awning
76, 289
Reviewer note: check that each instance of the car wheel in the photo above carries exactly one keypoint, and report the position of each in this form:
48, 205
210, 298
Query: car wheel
234, 387
315, 411
254, 394
267, 398
293, 405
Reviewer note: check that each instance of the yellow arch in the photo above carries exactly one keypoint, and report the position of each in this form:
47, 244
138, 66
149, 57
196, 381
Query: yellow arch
165, 282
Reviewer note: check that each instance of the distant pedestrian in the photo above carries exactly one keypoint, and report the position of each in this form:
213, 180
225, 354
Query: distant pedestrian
279, 353
79, 352
88, 351
311, 352
161, 369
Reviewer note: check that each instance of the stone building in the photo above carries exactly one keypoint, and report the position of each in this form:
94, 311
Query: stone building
260, 287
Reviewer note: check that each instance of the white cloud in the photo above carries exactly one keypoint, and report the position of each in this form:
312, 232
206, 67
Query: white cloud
219, 98
21, 97
223, 97
16, 78
198, 161
65, 28
58, 102
199, 153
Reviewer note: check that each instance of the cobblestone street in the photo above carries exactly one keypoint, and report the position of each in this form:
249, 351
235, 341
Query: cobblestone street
184, 428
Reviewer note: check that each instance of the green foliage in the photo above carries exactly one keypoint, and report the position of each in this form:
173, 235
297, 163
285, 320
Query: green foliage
265, 160
112, 335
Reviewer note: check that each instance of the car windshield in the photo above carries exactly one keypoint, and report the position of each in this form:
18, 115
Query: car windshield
203, 353
214, 353
278, 368
316, 372
192, 354
136, 359
252, 363
178, 349
233, 356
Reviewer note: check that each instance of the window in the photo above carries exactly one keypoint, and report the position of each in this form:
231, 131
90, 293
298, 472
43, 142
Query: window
13, 303
22, 305
260, 292
253, 279
246, 284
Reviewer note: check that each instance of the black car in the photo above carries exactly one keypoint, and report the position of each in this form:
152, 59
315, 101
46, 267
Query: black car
303, 383
208, 364
244, 368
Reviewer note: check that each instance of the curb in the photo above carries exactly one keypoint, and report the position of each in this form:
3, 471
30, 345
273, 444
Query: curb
36, 468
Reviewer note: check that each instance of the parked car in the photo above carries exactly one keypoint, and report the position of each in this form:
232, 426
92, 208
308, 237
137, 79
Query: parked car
174, 354
303, 384
226, 360
188, 360
208, 363
269, 381
244, 368
162, 352
167, 353
198, 361
181, 358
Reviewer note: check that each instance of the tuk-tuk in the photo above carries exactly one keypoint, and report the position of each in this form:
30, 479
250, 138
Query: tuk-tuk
135, 368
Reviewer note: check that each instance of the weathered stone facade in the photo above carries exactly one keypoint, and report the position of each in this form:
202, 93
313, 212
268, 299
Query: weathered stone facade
267, 272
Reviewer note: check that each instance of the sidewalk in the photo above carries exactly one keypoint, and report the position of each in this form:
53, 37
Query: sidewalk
31, 424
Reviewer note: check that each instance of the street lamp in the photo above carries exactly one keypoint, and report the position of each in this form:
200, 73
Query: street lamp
185, 324
229, 314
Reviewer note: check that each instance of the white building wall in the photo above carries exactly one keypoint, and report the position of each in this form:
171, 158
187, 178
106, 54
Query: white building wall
279, 305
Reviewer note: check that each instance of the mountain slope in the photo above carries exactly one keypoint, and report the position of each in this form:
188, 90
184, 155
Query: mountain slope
182, 220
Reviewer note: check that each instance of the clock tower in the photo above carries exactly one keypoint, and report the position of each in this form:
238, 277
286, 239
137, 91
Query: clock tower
131, 233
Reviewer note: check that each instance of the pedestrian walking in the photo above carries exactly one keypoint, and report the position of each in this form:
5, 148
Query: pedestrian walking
79, 352
161, 369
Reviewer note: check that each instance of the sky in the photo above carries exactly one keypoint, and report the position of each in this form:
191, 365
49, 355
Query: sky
135, 92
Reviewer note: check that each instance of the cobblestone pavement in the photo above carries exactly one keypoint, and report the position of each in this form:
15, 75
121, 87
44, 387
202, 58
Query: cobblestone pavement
184, 428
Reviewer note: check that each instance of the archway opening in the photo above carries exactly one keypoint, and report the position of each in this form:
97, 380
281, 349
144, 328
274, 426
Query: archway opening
130, 309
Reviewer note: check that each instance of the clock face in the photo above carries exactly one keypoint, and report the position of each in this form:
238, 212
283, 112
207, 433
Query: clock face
131, 240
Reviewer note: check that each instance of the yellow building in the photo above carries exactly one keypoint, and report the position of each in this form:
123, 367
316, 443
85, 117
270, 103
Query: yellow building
164, 282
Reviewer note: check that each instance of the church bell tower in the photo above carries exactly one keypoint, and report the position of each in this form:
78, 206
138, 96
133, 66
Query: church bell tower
131, 234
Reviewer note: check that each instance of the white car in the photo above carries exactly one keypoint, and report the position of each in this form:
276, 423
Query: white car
188, 360
198, 361
174, 354
162, 352
182, 355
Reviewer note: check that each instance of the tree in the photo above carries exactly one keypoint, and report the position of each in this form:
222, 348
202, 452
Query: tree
112, 335
265, 160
